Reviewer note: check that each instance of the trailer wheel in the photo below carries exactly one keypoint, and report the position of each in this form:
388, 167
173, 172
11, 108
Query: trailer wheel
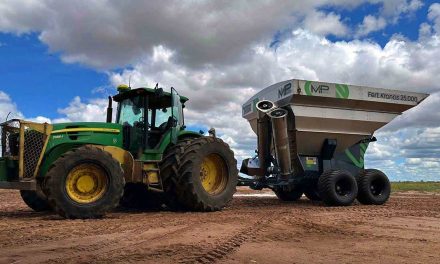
289, 195
374, 187
337, 188
36, 200
199, 174
136, 196
86, 182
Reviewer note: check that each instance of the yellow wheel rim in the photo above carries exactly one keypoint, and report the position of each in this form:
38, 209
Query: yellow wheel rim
86, 183
213, 174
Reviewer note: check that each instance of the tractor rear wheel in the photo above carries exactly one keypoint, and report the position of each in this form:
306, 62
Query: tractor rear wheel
36, 200
337, 188
289, 195
199, 174
86, 182
374, 187
136, 196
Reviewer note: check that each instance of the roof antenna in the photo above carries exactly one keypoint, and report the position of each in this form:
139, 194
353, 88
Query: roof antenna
129, 81
7, 117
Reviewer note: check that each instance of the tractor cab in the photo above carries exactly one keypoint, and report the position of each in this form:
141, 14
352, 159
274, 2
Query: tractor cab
149, 117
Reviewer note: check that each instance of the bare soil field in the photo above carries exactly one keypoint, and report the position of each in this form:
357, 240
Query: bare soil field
252, 229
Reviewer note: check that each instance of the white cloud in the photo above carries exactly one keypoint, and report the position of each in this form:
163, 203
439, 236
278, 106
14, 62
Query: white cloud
8, 108
391, 12
434, 15
370, 24
93, 110
396, 9
325, 24
77, 110
415, 154
113, 34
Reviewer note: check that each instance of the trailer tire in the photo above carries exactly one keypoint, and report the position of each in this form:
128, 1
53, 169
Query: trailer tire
374, 187
200, 174
289, 195
36, 200
73, 196
337, 188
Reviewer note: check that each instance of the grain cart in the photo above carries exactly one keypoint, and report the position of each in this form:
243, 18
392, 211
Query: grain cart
312, 137
81, 169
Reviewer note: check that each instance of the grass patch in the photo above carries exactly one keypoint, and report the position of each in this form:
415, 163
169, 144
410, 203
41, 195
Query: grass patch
415, 186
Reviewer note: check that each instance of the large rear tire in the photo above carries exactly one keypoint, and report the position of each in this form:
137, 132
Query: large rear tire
289, 195
199, 174
337, 188
86, 182
374, 187
36, 200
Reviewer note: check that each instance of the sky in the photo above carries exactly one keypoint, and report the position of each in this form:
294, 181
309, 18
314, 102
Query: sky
60, 60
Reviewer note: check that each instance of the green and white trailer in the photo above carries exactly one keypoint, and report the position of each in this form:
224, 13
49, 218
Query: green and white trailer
312, 137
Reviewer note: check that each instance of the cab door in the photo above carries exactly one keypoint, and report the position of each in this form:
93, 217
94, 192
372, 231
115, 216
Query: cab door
176, 113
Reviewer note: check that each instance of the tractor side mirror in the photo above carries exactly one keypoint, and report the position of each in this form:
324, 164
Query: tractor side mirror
172, 122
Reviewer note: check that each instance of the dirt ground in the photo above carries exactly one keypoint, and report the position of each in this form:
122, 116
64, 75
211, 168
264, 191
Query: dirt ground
252, 229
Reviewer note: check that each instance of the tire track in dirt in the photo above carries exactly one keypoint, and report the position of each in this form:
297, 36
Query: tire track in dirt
224, 247
78, 249
114, 245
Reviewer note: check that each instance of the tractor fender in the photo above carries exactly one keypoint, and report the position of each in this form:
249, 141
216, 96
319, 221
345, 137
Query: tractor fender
123, 157
185, 134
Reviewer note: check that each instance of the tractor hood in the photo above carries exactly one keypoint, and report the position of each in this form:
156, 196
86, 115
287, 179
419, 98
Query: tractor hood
108, 134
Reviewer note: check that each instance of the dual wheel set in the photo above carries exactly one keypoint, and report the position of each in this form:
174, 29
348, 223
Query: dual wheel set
341, 188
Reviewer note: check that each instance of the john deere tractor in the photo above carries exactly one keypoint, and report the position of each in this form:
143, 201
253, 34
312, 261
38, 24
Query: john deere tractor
82, 170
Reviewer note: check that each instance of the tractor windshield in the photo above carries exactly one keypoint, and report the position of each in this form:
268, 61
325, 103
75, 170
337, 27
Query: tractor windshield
131, 111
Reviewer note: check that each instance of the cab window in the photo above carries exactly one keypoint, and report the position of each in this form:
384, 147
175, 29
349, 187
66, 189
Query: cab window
131, 111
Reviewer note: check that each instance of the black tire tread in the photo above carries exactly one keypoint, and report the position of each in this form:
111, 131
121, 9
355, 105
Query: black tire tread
35, 200
326, 188
177, 169
58, 168
364, 196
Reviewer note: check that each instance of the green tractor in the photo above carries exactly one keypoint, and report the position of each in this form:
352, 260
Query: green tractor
145, 158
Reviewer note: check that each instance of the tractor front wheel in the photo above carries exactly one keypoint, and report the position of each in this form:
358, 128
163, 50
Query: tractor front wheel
86, 182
